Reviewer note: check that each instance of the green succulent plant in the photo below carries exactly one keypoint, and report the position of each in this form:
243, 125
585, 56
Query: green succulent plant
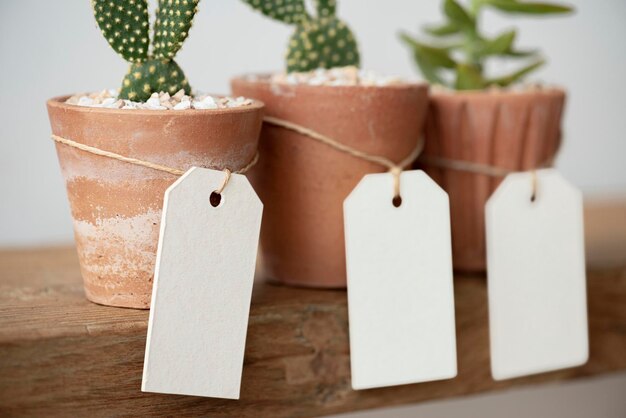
458, 50
321, 41
125, 24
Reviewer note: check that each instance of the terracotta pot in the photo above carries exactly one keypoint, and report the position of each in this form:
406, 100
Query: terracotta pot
303, 183
116, 206
512, 130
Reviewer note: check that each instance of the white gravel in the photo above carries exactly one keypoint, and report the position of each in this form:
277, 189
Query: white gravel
344, 76
158, 101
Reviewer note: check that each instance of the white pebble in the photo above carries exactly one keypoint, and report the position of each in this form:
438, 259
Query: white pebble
85, 101
209, 100
157, 101
204, 105
154, 103
183, 105
343, 76
164, 97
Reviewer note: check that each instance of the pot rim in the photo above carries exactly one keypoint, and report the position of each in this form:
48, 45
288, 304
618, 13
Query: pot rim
547, 90
263, 78
59, 102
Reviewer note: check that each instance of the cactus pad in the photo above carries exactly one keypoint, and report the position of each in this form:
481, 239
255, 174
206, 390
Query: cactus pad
326, 8
124, 24
287, 11
173, 21
323, 41
154, 75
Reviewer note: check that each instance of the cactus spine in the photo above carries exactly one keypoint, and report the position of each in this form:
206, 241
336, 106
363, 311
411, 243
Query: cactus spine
323, 41
125, 25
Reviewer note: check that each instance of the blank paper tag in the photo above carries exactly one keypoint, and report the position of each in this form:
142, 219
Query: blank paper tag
536, 276
202, 287
400, 292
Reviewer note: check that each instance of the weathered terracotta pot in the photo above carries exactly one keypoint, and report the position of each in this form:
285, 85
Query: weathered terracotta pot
303, 183
116, 206
508, 129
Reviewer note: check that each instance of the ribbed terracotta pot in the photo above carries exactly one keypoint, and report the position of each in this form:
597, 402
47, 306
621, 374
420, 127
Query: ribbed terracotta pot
303, 183
116, 206
515, 130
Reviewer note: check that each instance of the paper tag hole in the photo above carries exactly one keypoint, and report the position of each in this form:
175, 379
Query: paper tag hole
215, 199
396, 201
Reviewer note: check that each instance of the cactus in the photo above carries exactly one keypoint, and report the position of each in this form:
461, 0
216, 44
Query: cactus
125, 25
457, 58
323, 41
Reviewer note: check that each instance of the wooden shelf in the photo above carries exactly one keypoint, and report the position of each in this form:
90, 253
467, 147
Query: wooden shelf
60, 353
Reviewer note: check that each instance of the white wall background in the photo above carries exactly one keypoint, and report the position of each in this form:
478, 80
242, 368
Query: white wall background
50, 48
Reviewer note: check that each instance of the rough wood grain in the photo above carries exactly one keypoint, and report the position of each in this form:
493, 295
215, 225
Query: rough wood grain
60, 354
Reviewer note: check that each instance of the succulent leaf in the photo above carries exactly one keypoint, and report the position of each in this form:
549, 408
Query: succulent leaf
433, 56
469, 77
519, 53
457, 14
155, 75
517, 75
500, 45
463, 57
509, 6
438, 57
173, 21
326, 42
443, 30
430, 72
125, 25
287, 11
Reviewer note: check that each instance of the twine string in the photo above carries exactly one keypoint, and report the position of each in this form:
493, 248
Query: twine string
488, 170
493, 171
224, 182
533, 179
173, 171
475, 168
395, 169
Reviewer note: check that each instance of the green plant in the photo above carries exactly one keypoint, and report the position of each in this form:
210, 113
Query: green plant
323, 41
125, 25
457, 58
